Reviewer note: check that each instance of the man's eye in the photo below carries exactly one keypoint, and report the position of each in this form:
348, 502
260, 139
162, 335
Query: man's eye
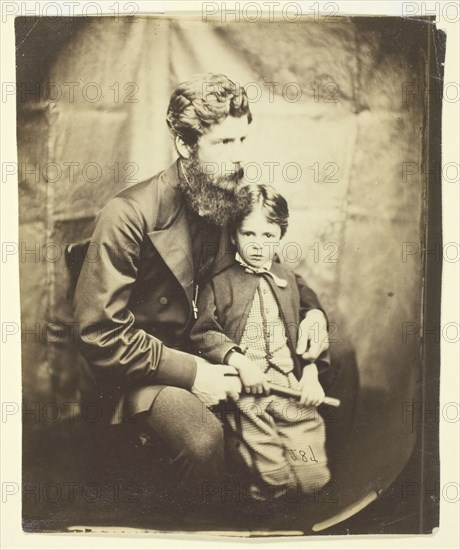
269, 235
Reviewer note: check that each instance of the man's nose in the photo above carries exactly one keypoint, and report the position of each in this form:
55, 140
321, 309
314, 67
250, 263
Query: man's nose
237, 154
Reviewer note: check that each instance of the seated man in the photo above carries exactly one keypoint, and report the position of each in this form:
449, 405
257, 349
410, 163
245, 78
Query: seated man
134, 303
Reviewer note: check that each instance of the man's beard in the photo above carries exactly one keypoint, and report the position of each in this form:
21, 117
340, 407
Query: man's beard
213, 198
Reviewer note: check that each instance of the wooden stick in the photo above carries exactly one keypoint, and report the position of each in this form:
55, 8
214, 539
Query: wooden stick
289, 392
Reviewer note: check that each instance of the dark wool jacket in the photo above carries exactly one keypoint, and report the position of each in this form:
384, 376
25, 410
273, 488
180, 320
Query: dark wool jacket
133, 300
224, 304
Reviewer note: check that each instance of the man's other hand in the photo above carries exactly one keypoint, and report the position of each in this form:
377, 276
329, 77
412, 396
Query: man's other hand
214, 383
313, 336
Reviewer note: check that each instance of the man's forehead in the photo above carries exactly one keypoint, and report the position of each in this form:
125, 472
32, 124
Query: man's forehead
230, 127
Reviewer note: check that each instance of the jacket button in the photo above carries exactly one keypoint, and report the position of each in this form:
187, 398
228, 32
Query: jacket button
163, 300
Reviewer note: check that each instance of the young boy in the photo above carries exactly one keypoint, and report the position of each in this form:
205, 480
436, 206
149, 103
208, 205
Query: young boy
249, 316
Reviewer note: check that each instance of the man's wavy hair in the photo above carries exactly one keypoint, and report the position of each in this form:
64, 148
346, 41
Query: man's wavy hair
202, 101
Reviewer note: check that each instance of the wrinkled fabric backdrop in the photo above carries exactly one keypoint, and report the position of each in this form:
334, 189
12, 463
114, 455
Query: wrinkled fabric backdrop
350, 130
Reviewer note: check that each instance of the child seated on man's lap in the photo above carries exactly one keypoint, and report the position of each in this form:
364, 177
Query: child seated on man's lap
249, 317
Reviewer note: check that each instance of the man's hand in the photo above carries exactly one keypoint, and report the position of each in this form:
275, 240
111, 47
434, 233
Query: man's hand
211, 385
312, 391
313, 336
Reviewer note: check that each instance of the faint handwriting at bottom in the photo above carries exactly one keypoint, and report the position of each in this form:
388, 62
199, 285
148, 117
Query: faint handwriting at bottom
303, 455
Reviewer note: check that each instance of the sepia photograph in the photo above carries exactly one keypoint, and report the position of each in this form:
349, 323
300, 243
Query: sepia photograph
230, 256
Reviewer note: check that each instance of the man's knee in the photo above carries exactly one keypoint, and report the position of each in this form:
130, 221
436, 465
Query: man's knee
207, 444
179, 418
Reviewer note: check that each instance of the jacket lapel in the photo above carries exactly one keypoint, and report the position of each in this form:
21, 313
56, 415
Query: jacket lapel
246, 285
283, 297
174, 246
172, 238
282, 294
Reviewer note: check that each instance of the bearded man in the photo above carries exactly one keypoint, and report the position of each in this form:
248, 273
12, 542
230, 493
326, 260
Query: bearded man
157, 242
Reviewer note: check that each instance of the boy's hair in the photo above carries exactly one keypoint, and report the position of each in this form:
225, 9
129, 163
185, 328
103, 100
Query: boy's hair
273, 204
202, 101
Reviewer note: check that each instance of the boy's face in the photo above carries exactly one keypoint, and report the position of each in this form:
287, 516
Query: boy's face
257, 239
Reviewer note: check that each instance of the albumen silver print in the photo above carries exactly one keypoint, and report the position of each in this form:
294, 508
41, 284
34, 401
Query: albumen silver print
230, 256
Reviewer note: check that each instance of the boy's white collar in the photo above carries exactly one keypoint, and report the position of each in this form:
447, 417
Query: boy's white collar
266, 267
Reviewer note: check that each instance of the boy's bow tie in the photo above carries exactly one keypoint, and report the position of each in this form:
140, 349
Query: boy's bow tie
261, 271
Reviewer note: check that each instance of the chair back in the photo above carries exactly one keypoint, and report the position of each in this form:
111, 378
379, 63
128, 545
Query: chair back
74, 255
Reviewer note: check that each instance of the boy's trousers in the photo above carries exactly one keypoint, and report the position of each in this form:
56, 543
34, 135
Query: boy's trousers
280, 442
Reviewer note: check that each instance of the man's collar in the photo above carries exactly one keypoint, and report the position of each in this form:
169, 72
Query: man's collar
170, 202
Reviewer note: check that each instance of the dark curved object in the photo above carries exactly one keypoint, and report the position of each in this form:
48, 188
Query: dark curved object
74, 255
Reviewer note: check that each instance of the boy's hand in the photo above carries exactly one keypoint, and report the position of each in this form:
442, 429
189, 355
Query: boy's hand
254, 381
312, 391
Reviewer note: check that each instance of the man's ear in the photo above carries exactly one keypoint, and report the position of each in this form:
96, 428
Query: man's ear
232, 239
183, 149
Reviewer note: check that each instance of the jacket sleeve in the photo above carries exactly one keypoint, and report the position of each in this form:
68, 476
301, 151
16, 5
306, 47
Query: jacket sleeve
207, 335
108, 337
308, 301
308, 298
